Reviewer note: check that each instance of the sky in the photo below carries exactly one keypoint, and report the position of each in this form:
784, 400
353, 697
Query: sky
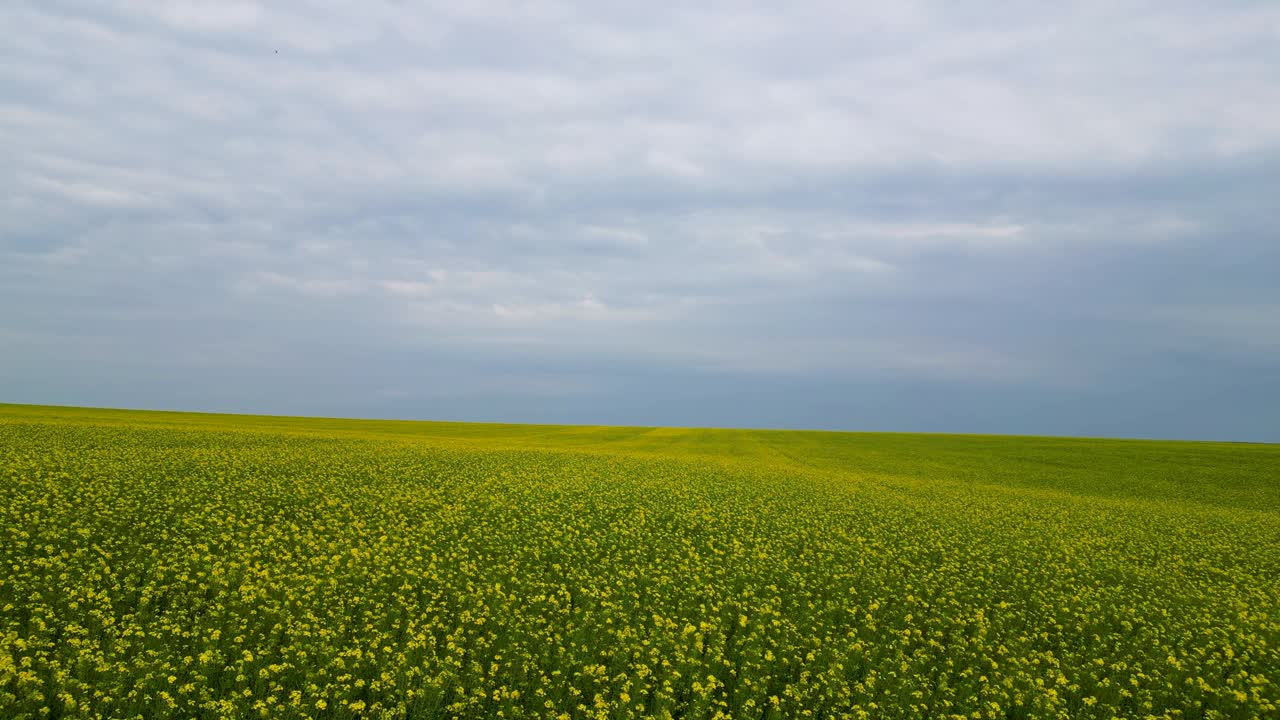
1020, 218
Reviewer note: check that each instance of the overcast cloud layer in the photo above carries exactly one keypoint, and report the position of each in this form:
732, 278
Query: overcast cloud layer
920, 216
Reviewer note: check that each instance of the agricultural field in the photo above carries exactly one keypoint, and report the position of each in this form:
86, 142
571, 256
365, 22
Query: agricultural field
165, 565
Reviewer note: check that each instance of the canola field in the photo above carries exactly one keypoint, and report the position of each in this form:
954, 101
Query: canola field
164, 565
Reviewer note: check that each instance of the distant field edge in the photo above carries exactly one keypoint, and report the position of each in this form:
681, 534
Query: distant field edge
34, 409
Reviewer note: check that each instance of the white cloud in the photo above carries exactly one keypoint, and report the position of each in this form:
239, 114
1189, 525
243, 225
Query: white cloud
308, 286
89, 193
225, 15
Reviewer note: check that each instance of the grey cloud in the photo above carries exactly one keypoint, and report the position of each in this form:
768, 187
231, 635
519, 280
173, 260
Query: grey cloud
918, 216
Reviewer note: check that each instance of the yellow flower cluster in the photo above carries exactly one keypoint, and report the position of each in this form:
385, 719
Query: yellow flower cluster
164, 566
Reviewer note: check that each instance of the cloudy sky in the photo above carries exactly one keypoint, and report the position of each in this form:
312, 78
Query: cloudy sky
961, 217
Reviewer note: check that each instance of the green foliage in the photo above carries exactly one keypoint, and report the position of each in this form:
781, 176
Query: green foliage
170, 565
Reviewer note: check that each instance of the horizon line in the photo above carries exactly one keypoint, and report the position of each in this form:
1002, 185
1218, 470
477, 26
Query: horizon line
425, 421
